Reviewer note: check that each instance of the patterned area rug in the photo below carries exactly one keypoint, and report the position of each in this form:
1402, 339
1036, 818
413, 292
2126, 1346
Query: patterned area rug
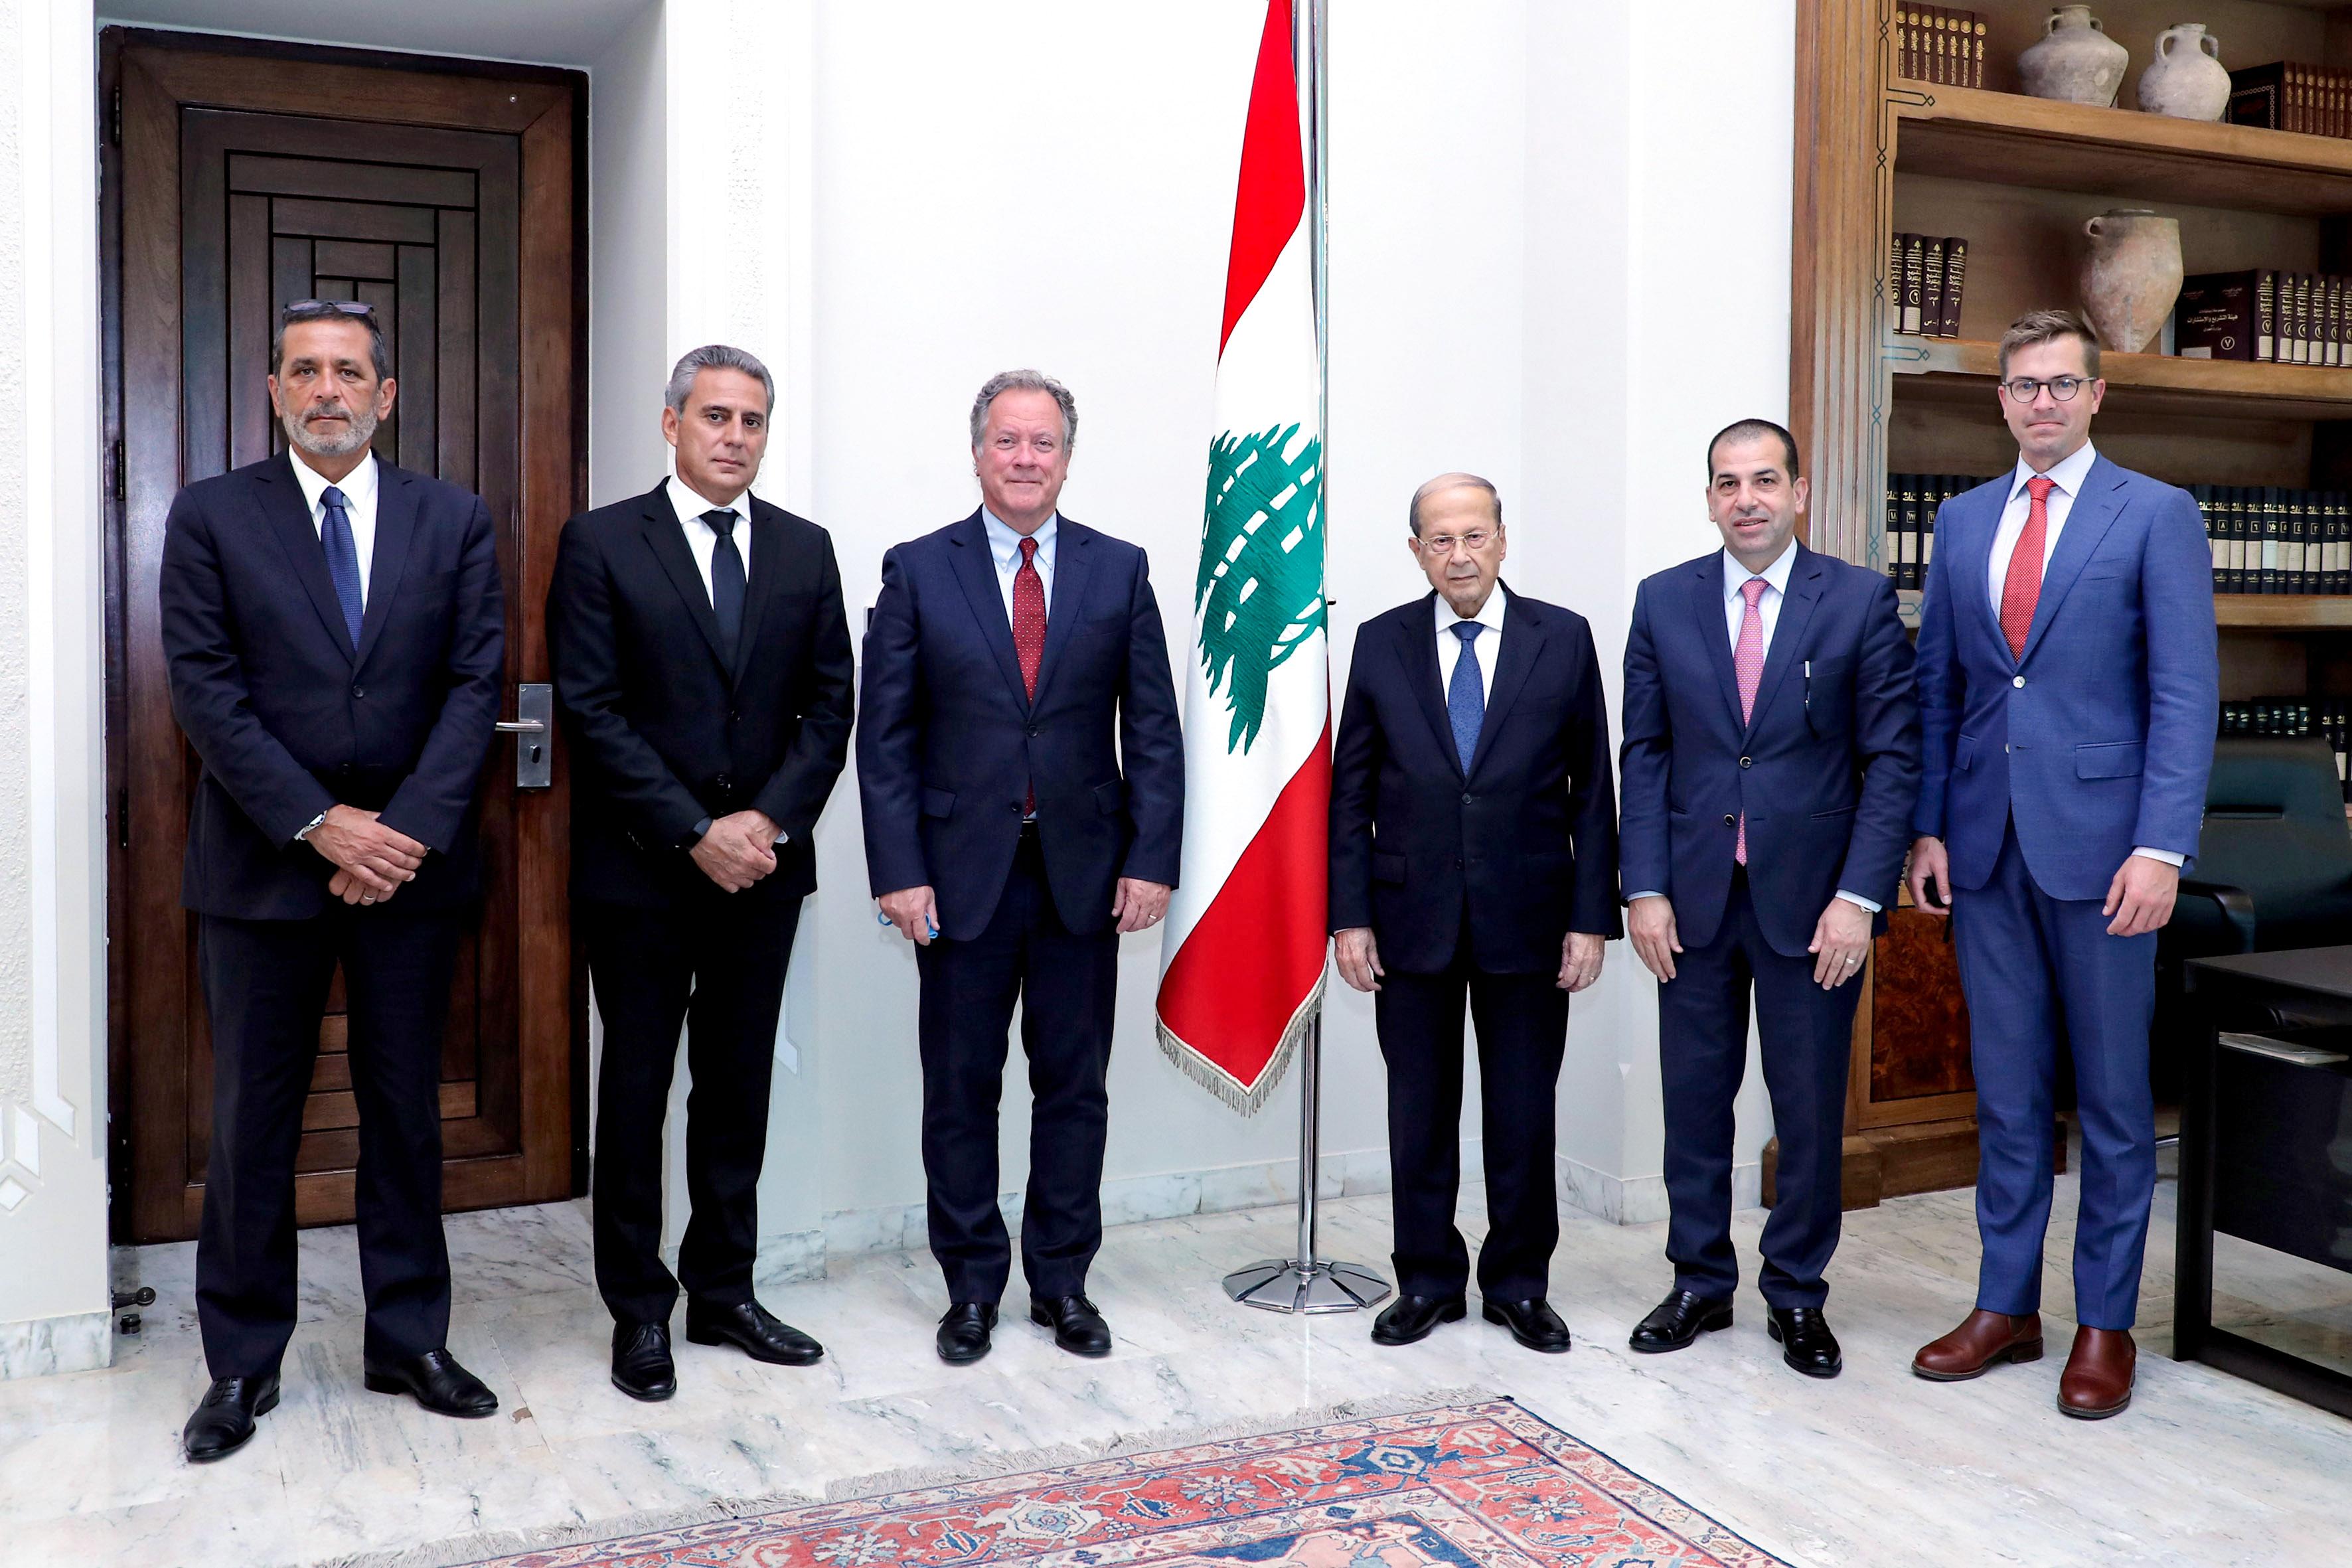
1471, 1485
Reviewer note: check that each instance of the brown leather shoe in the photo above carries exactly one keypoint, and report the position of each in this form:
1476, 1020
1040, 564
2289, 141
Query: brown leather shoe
1985, 1338
2098, 1378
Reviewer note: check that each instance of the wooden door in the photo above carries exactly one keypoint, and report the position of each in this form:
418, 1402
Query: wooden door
241, 178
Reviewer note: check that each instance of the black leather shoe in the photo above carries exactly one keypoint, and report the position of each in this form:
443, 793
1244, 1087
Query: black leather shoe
641, 1365
1078, 1327
224, 1417
963, 1332
1806, 1343
753, 1330
1678, 1321
1413, 1317
436, 1380
1532, 1322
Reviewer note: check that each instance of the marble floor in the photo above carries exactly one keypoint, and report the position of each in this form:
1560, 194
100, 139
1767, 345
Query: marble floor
1873, 1469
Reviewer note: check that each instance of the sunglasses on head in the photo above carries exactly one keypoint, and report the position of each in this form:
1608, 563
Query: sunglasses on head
330, 307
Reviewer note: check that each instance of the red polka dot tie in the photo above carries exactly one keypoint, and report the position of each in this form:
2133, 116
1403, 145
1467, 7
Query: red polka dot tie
2020, 590
1029, 630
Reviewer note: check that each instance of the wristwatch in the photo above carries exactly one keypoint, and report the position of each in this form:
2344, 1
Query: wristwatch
310, 827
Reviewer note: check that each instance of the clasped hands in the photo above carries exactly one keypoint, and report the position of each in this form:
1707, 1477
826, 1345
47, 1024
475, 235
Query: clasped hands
371, 860
1358, 954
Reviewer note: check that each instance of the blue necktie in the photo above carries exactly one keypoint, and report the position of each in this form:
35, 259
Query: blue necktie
342, 560
727, 580
1466, 699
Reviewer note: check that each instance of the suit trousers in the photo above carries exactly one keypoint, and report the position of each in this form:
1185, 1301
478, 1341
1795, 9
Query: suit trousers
266, 984
714, 967
1806, 1038
1066, 985
1522, 1023
2037, 971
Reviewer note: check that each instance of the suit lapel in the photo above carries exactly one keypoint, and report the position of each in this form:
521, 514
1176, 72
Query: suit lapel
395, 526
768, 549
975, 568
1706, 606
1523, 640
1797, 602
1975, 565
279, 497
1071, 559
667, 539
1417, 651
2094, 512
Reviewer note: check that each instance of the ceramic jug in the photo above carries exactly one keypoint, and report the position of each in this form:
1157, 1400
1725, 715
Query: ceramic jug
2132, 276
2186, 78
2076, 62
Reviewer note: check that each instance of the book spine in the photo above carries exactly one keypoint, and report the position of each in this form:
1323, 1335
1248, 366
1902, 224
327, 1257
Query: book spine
1977, 53
1946, 487
2295, 507
2245, 551
1903, 42
1907, 559
1956, 266
1887, 535
2340, 520
1895, 283
2335, 320
2321, 557
2215, 550
2274, 544
2265, 315
2302, 317
1915, 262
1931, 288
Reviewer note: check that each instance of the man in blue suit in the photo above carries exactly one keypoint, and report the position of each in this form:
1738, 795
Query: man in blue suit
1771, 762
1022, 771
2069, 684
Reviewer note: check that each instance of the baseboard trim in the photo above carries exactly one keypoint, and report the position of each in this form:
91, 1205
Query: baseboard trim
1642, 1200
82, 1341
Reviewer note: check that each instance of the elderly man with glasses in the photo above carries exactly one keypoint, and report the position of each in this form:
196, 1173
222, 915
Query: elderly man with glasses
1474, 851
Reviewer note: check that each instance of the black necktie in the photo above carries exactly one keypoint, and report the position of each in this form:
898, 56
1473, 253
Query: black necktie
727, 580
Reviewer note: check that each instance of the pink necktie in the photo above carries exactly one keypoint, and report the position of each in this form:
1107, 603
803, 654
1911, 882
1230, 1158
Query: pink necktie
2022, 589
1749, 661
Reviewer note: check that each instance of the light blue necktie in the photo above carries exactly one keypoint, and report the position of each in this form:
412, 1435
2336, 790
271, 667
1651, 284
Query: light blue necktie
343, 559
1466, 698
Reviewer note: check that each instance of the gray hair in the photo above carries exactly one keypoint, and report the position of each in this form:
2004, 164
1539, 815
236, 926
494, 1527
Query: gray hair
301, 310
1448, 482
714, 356
1005, 381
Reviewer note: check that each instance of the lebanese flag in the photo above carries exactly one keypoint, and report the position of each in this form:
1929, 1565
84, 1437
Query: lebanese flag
1241, 971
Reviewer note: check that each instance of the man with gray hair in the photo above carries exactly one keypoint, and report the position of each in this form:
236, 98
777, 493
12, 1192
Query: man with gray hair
702, 672
1022, 776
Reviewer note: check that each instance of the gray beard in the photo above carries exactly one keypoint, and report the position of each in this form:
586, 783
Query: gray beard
356, 435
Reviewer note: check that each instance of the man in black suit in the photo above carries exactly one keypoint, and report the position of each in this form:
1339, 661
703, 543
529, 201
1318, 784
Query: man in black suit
1771, 759
702, 671
1474, 849
336, 640
1022, 776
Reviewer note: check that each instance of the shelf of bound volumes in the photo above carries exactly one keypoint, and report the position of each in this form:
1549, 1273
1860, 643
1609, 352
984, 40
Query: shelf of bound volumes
2328, 718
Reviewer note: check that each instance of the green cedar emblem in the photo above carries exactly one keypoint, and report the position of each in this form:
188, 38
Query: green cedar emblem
1259, 593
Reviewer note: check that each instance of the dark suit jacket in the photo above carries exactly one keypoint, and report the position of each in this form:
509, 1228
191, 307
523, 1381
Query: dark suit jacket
1526, 843
289, 719
949, 744
663, 731
1827, 770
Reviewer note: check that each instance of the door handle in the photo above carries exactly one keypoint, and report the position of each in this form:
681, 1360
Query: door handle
534, 712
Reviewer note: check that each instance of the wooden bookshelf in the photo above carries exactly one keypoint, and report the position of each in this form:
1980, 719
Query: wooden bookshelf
2145, 383
2284, 611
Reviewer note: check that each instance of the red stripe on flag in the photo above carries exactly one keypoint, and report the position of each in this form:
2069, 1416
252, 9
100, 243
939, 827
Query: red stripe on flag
1273, 190
1257, 953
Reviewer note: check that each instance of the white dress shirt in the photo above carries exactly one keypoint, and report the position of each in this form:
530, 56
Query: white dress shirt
1767, 610
1490, 642
359, 488
701, 538
2067, 475
1004, 547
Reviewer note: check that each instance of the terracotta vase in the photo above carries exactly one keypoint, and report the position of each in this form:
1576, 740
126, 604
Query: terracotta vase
2186, 78
2076, 62
2132, 276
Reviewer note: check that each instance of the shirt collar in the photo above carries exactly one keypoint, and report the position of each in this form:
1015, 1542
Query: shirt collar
2068, 473
1734, 575
1489, 616
358, 485
1004, 541
691, 504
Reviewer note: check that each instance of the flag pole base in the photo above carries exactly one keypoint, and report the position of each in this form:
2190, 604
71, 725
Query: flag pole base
1289, 1285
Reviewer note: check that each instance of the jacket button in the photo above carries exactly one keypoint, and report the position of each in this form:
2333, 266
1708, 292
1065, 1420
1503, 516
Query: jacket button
358, 692
1747, 761
1032, 731
734, 716
2019, 681
1729, 820
1465, 800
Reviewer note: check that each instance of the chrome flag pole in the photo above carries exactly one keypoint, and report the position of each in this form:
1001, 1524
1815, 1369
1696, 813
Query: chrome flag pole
1305, 1282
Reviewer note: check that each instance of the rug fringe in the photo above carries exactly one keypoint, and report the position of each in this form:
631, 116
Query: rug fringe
465, 1551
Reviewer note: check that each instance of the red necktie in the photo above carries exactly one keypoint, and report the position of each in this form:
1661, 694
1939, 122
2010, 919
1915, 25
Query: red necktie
1749, 661
1029, 630
2022, 589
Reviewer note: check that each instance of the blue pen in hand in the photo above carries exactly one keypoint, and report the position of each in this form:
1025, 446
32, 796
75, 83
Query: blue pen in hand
882, 919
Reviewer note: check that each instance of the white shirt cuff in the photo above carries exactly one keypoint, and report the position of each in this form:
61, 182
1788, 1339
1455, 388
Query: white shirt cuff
1652, 893
2166, 856
1858, 898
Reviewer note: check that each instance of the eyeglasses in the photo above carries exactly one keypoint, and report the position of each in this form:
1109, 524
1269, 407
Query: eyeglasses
331, 307
1476, 540
2026, 388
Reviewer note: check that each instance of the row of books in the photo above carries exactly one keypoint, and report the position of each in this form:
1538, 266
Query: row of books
2329, 718
1939, 44
2268, 539
2288, 317
1928, 276
2287, 95
1912, 501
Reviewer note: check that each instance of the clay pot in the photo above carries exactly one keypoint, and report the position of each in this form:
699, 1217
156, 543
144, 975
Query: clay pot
2186, 78
2076, 62
2132, 276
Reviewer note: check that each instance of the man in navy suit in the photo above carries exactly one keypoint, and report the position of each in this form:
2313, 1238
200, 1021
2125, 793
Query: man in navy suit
2068, 683
1022, 776
1770, 764
336, 641
1474, 851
